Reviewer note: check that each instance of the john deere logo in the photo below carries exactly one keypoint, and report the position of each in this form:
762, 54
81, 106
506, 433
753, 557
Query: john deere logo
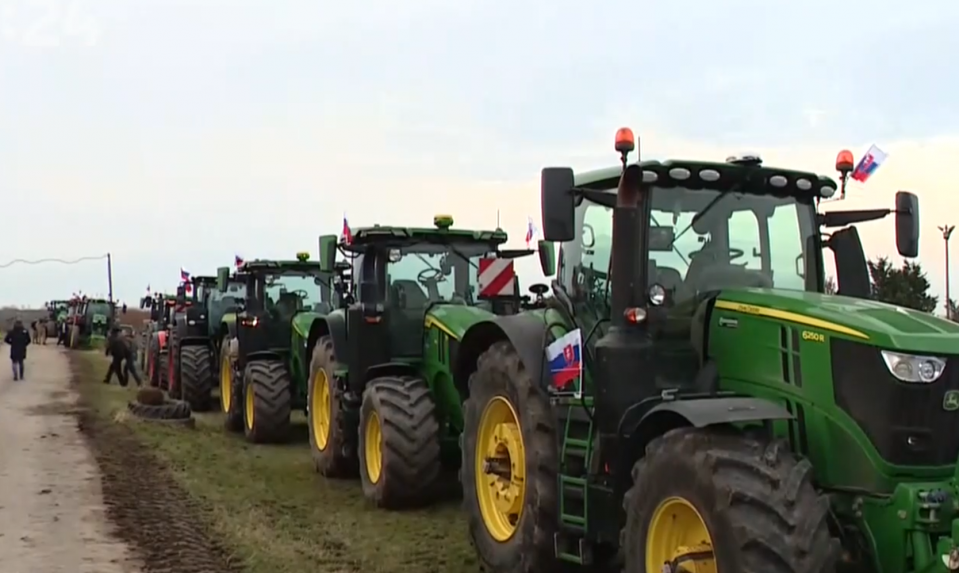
950, 402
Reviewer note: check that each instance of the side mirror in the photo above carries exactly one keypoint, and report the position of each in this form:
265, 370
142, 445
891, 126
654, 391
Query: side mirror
557, 202
327, 252
907, 224
547, 257
852, 271
222, 277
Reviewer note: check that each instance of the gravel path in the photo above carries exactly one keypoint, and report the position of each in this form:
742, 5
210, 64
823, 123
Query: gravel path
52, 514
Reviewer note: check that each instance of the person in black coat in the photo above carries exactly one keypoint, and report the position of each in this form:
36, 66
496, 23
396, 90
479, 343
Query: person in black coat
18, 338
118, 350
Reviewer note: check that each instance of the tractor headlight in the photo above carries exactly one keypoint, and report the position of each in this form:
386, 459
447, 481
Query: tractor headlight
911, 368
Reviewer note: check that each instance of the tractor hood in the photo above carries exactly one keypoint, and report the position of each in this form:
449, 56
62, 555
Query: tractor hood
302, 322
869, 321
454, 319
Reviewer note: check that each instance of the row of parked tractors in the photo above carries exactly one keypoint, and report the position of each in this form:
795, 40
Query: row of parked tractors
725, 414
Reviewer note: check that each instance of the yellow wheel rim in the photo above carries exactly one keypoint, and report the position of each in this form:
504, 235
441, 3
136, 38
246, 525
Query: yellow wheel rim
676, 530
373, 447
500, 472
226, 385
320, 414
248, 399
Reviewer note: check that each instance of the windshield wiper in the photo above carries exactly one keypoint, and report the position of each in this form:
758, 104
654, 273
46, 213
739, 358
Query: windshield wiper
709, 207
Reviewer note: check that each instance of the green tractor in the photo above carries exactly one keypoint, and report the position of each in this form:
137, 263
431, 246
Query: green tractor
263, 367
382, 398
57, 312
191, 357
695, 402
91, 321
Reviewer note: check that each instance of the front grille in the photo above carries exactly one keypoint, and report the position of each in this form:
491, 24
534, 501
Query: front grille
906, 422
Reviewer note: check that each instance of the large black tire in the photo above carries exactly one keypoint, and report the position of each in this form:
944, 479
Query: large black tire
162, 367
170, 410
196, 376
408, 464
233, 419
153, 373
756, 499
267, 384
500, 375
174, 389
336, 458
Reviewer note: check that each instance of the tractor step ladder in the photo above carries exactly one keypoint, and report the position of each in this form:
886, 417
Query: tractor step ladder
570, 543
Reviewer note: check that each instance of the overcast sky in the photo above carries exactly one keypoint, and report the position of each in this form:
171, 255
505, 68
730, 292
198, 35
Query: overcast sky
181, 132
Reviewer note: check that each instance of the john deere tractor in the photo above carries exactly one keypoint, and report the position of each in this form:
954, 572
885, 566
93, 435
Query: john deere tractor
191, 357
691, 400
263, 369
382, 399
91, 321
57, 310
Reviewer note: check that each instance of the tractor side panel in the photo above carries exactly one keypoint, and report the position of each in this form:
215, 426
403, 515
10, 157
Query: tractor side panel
790, 364
440, 345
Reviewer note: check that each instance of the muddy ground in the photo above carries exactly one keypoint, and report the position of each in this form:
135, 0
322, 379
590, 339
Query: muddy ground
78, 493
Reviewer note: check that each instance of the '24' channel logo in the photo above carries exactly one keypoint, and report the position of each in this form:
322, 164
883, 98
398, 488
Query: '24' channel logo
47, 23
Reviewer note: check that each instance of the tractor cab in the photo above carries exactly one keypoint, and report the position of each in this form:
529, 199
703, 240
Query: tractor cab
275, 292
406, 277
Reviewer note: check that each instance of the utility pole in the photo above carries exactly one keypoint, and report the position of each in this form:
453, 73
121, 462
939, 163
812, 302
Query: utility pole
110, 284
946, 235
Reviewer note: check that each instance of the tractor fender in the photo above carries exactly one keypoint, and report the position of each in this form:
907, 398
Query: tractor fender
332, 325
702, 412
162, 339
526, 333
390, 369
194, 341
638, 429
259, 355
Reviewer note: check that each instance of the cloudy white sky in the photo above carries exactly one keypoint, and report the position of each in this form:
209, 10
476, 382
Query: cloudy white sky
179, 132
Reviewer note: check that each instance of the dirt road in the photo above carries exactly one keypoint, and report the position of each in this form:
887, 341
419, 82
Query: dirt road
52, 514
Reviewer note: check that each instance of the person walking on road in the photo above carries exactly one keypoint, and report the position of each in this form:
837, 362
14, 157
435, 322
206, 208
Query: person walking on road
117, 350
18, 338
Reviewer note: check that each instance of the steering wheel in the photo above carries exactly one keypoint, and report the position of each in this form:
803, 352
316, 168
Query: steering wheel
431, 275
300, 293
733, 254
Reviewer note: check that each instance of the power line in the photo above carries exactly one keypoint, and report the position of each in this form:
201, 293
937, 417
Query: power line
61, 261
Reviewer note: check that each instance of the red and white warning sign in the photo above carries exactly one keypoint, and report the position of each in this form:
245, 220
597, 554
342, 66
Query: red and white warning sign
496, 277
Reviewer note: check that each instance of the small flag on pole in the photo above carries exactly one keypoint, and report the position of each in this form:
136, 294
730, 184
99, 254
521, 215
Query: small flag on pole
237, 261
530, 231
565, 362
347, 233
869, 163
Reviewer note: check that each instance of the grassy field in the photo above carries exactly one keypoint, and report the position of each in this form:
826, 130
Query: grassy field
268, 509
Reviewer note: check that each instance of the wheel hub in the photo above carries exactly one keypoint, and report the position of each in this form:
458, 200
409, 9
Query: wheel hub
504, 475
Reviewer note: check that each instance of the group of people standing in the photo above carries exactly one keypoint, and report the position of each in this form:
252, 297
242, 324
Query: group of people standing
121, 348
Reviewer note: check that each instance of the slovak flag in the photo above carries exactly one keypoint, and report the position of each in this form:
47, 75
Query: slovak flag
869, 163
530, 231
237, 261
148, 290
185, 277
565, 362
347, 233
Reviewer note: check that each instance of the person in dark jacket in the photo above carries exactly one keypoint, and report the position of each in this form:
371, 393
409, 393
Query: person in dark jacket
118, 351
18, 338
